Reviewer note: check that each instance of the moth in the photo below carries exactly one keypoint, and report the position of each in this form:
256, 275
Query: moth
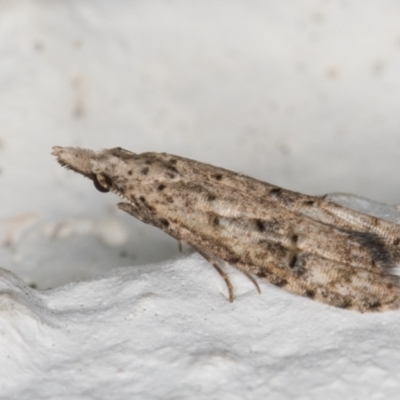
304, 244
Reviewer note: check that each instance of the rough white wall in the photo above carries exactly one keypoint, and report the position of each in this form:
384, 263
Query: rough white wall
302, 94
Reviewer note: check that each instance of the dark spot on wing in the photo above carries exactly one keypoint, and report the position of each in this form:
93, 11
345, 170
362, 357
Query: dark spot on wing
294, 239
276, 191
280, 282
216, 220
170, 173
260, 225
169, 199
309, 203
173, 161
211, 197
310, 293
161, 187
261, 274
147, 205
297, 264
375, 305
218, 177
233, 260
396, 241
293, 261
374, 245
164, 222
130, 172
144, 171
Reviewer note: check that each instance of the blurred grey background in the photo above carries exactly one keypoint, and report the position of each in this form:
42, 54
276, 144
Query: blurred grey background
304, 95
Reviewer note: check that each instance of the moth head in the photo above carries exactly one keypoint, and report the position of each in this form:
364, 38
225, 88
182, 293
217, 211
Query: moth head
107, 169
127, 174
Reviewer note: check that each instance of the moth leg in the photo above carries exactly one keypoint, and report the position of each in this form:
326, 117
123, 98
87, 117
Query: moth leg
221, 272
180, 246
251, 277
226, 279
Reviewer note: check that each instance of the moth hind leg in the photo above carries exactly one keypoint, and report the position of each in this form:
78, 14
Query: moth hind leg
252, 279
226, 279
224, 275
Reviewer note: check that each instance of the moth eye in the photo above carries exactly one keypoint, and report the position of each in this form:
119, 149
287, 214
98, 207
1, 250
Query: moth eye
105, 182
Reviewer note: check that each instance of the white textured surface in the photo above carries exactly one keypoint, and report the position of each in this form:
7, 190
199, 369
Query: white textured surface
168, 332
301, 94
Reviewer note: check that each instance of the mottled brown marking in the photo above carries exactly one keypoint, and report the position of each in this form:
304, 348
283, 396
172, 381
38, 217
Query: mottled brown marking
144, 171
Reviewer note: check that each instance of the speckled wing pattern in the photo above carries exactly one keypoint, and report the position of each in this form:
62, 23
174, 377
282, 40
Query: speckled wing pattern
304, 244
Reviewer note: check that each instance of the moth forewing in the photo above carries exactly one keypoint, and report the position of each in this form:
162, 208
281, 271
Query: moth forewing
305, 244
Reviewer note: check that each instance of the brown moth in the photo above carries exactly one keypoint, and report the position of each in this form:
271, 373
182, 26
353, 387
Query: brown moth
304, 244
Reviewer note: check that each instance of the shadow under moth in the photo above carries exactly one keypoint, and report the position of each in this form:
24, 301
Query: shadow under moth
304, 244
